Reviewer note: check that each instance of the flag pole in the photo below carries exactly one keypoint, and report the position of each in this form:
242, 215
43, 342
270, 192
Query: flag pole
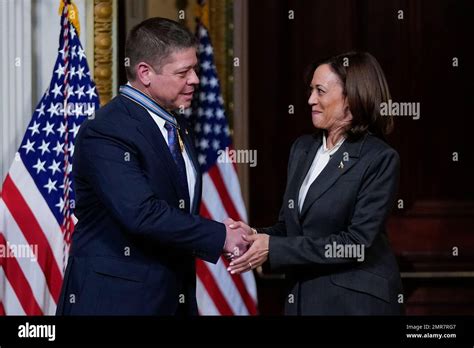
68, 11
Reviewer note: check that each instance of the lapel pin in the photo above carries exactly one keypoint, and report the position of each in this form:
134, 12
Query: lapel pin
341, 165
186, 131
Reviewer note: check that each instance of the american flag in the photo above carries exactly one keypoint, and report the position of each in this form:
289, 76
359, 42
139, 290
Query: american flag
37, 199
218, 292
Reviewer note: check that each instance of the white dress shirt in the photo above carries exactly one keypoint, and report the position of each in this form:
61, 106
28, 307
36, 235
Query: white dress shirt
320, 161
190, 171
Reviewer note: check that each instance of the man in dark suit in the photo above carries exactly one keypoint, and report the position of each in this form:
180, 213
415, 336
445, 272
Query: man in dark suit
138, 189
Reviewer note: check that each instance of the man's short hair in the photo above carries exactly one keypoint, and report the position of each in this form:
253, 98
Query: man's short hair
153, 40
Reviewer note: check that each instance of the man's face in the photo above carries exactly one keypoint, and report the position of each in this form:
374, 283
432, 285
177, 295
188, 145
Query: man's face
173, 86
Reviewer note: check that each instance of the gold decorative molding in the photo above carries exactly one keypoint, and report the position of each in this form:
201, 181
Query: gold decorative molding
103, 39
240, 83
221, 32
218, 17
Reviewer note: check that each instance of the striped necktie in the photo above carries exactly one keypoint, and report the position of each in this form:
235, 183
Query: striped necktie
173, 144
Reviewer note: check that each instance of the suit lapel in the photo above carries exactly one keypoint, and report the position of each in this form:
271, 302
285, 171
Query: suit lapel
152, 134
190, 149
304, 163
188, 143
339, 164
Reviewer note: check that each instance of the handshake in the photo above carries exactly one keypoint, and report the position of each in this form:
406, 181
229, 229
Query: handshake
245, 248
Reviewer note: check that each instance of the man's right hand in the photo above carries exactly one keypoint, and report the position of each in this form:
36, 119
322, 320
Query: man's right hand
235, 245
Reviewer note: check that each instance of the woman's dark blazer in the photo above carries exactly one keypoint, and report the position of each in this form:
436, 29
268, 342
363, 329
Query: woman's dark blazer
346, 207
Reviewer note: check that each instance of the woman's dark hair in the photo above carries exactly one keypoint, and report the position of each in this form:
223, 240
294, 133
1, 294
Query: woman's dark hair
365, 87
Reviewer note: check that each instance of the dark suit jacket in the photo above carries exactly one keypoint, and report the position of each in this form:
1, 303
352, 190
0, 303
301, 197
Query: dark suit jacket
133, 248
347, 204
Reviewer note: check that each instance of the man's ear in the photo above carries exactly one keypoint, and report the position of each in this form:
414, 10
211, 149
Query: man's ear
143, 72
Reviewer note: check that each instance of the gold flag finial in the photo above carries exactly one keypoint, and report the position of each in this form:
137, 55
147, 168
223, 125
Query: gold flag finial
202, 12
72, 14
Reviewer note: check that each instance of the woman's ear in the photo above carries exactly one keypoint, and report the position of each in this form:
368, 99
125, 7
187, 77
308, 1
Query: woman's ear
347, 111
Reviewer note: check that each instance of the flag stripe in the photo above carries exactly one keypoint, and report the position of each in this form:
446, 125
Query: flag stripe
20, 284
27, 262
227, 286
34, 235
231, 181
205, 275
249, 281
239, 283
212, 289
231, 285
222, 191
11, 305
223, 194
210, 194
40, 209
207, 306
211, 199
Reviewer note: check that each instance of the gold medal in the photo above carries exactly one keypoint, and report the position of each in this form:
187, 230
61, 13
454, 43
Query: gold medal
181, 144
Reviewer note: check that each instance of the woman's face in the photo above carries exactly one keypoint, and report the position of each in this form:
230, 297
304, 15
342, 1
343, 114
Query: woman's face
329, 109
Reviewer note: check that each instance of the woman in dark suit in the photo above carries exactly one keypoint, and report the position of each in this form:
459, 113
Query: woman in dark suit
330, 238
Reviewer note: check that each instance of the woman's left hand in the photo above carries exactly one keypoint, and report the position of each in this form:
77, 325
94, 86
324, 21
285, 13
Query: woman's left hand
254, 257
